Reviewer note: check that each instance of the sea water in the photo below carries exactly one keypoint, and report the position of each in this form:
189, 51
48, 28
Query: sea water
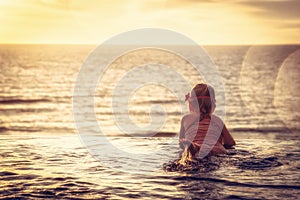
43, 154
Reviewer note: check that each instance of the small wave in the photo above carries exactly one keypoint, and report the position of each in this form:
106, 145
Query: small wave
23, 101
197, 165
165, 134
235, 183
56, 130
259, 163
154, 134
25, 110
142, 135
261, 130
7, 173
157, 102
19, 129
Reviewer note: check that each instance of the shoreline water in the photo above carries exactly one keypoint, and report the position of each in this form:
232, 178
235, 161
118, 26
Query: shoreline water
43, 156
59, 166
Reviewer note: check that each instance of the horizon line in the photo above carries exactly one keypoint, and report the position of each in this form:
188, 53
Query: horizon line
207, 44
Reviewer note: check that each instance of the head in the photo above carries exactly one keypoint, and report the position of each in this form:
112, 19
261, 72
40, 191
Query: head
202, 99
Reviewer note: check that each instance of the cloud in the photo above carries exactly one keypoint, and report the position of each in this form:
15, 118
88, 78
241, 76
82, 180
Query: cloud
290, 25
188, 3
273, 9
280, 9
57, 4
239, 21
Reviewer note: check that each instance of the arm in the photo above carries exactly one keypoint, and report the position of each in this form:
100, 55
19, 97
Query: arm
186, 122
227, 139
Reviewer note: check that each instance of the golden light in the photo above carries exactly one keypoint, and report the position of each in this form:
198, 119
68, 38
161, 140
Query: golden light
53, 21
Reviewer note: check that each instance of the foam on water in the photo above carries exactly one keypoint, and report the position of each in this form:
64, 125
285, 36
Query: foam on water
211, 163
49, 166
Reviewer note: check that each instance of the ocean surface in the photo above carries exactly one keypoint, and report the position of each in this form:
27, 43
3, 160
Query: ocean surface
113, 133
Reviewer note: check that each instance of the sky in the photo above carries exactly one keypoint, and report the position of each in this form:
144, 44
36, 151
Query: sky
204, 21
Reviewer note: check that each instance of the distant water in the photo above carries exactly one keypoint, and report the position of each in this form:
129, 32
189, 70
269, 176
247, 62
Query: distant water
42, 157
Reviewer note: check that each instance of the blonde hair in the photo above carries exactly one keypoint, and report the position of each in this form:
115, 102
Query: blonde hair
198, 103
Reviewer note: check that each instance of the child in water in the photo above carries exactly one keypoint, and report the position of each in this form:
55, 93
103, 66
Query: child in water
202, 133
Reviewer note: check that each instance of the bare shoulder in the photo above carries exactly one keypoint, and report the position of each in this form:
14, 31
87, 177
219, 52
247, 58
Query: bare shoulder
188, 119
217, 120
216, 117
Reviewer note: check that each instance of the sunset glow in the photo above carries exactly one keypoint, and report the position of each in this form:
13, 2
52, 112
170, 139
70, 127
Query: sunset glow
205, 21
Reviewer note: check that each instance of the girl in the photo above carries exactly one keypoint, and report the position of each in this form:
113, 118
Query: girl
202, 133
